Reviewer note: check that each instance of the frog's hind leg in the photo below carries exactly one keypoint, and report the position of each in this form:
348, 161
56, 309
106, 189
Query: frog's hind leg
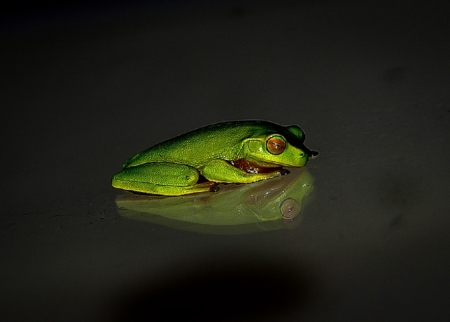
162, 178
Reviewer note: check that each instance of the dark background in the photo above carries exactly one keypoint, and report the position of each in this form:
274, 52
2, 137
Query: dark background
87, 85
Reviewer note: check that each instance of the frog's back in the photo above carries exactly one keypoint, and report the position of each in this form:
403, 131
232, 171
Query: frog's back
217, 141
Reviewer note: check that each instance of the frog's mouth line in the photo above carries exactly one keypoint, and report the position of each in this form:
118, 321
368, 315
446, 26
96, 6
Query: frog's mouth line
254, 168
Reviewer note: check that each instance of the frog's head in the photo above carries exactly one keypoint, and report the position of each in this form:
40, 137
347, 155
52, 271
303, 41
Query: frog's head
283, 147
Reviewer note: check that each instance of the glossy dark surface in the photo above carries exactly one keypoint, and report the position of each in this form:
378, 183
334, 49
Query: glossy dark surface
84, 88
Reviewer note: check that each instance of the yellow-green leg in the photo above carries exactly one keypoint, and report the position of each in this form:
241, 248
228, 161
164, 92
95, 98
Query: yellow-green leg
168, 179
222, 171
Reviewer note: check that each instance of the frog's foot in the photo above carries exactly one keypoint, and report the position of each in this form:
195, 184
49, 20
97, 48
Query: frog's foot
240, 171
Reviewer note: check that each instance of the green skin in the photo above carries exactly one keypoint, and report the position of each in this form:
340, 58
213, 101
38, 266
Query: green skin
229, 152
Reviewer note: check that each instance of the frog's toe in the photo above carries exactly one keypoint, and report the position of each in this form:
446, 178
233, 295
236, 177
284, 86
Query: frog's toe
214, 188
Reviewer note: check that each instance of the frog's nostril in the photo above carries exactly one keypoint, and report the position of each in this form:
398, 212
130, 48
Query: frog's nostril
302, 155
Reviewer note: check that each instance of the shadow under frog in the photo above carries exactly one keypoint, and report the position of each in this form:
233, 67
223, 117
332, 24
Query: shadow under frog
236, 209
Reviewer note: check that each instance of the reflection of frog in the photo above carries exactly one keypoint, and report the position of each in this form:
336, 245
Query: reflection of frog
230, 152
266, 205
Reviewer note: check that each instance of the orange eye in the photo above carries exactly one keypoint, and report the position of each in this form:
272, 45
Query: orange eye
290, 208
276, 144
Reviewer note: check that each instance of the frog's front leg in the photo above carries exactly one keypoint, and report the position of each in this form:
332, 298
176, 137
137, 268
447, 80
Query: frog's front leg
222, 171
161, 178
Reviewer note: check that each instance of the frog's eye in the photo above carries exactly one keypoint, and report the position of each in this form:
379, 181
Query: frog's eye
276, 144
290, 208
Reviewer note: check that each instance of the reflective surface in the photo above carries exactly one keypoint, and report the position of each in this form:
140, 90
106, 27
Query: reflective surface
83, 90
261, 206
